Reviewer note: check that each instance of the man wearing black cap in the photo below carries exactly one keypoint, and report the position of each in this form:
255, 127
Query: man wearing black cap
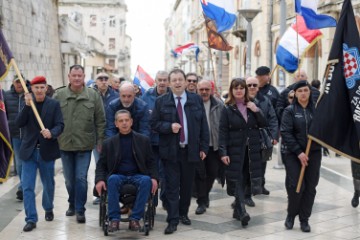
39, 149
14, 102
265, 88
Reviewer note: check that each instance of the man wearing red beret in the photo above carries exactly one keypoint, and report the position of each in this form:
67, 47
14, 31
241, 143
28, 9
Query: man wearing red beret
39, 149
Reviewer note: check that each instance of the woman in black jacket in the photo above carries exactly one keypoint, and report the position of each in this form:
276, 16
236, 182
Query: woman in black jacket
239, 145
294, 127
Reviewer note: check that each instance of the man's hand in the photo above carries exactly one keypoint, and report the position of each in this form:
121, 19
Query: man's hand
99, 147
46, 133
225, 160
303, 159
100, 186
28, 99
175, 127
202, 155
154, 186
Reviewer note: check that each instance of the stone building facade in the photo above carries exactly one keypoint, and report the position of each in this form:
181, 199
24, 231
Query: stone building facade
32, 33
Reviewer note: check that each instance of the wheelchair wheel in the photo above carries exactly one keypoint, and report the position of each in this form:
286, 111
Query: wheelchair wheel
105, 228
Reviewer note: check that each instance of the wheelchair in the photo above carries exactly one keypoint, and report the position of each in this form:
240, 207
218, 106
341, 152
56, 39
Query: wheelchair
127, 198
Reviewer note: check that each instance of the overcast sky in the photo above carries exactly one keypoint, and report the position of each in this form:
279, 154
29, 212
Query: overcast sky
145, 25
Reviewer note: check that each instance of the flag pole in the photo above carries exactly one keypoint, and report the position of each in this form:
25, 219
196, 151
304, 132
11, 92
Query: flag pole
213, 69
302, 172
22, 81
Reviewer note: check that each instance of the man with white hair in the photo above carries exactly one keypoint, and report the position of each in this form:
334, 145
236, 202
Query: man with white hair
137, 107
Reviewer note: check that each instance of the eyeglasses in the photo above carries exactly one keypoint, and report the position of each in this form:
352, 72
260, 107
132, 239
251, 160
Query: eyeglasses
191, 80
254, 85
290, 97
102, 79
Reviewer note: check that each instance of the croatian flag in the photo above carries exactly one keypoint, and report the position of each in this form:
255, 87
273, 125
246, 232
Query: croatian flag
308, 9
143, 79
185, 48
221, 11
288, 53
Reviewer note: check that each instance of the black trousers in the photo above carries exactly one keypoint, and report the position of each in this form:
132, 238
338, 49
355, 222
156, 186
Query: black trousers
206, 173
301, 203
179, 176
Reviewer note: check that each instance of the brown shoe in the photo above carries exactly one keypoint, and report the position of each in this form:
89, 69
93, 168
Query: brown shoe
113, 226
134, 225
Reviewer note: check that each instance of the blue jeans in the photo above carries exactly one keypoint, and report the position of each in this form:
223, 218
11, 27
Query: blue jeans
75, 168
16, 143
143, 185
29, 170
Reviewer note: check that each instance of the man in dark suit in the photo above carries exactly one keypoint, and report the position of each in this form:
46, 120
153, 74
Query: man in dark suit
179, 118
39, 149
119, 165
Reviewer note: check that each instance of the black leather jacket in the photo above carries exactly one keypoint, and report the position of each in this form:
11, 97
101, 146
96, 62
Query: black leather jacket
294, 128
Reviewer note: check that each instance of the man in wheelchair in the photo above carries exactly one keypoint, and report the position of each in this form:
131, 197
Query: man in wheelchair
126, 158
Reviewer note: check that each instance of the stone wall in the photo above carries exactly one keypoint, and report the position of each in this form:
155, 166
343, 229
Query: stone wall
31, 29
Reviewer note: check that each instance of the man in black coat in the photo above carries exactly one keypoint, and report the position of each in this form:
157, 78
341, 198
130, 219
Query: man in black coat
265, 87
126, 158
14, 102
179, 118
39, 150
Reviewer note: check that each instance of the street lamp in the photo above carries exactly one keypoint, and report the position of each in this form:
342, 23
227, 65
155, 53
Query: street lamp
249, 15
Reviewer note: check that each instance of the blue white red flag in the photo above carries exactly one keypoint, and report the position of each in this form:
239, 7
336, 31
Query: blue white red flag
143, 79
221, 11
313, 20
294, 44
185, 48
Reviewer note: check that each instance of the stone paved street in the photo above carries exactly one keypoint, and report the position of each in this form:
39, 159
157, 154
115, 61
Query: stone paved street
332, 218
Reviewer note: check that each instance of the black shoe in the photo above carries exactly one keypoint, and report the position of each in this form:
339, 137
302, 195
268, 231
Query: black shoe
185, 220
29, 226
355, 199
289, 222
49, 216
70, 211
305, 227
171, 228
19, 195
249, 202
200, 209
245, 218
80, 217
265, 191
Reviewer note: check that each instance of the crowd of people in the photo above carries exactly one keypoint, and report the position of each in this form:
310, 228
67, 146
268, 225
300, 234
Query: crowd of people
180, 135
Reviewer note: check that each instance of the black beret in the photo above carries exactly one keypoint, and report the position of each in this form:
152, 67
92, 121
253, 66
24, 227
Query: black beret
300, 84
263, 70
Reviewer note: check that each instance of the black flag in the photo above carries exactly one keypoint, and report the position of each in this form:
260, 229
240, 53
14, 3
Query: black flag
336, 122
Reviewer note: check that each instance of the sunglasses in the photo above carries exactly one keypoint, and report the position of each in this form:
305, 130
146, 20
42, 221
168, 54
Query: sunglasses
290, 97
193, 81
254, 85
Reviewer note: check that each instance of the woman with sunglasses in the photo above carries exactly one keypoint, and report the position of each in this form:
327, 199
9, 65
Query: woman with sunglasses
295, 124
239, 145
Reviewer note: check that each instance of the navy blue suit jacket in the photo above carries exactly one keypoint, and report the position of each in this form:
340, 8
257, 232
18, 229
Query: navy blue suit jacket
165, 113
52, 119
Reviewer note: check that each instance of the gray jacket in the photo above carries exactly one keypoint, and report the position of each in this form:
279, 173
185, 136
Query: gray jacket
216, 108
264, 103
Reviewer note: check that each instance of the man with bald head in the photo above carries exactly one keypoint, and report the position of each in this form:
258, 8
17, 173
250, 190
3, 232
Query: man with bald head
264, 103
207, 170
137, 107
283, 102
